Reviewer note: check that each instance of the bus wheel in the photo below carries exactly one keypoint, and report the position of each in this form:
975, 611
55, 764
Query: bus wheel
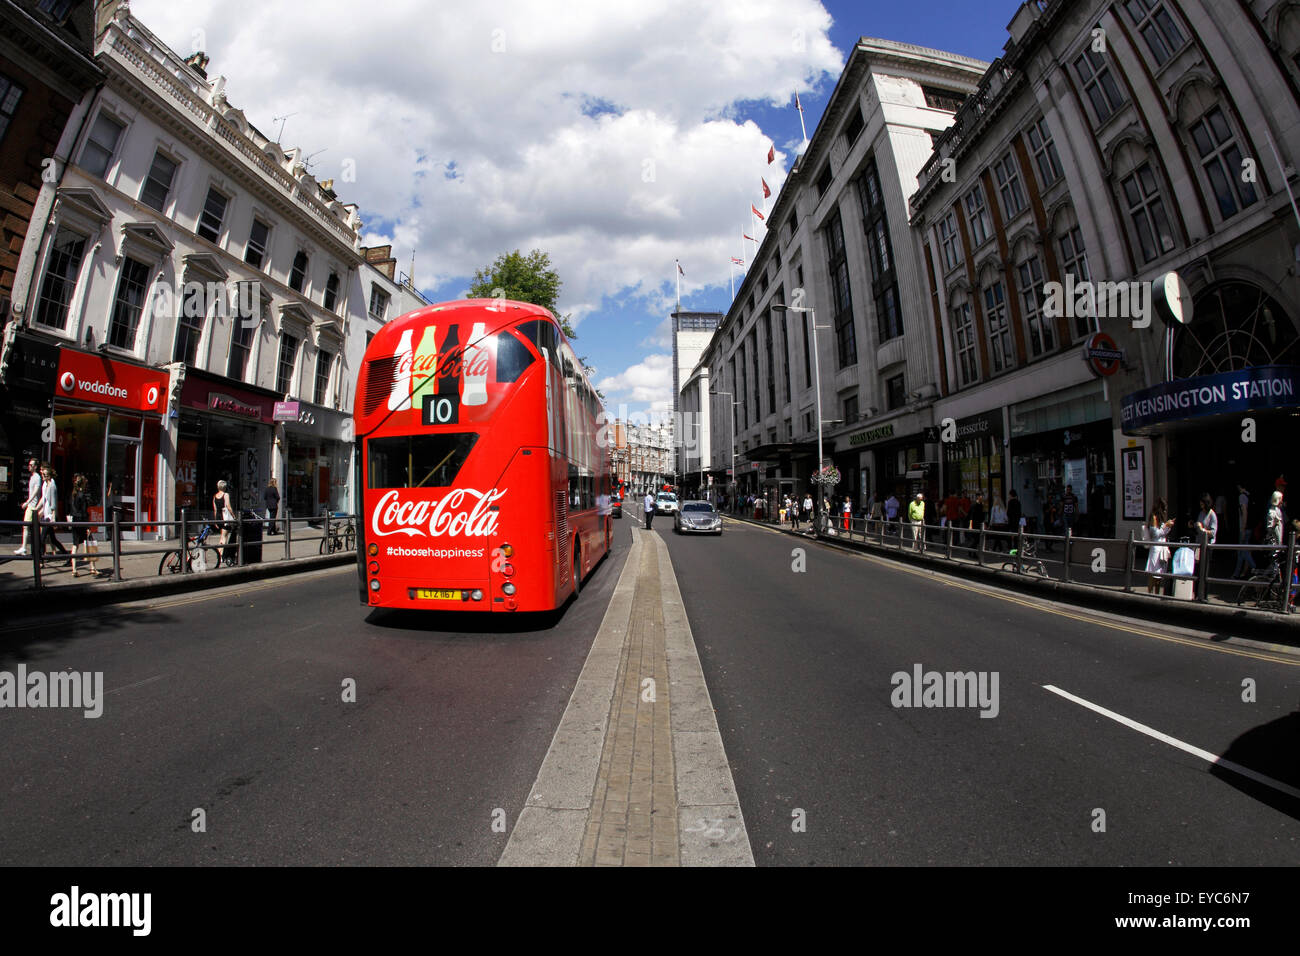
577, 572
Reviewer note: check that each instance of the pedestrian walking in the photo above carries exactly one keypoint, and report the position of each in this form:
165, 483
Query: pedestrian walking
977, 517
847, 511
1244, 534
808, 513
1015, 512
50, 512
892, 505
1158, 528
271, 498
31, 504
222, 511
794, 512
79, 504
916, 515
1069, 508
649, 505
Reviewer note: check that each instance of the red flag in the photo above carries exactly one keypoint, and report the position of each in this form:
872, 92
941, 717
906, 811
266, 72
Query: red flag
766, 190
771, 153
754, 210
750, 238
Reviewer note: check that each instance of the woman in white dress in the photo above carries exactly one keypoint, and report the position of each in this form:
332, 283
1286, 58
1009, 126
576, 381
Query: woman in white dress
1157, 531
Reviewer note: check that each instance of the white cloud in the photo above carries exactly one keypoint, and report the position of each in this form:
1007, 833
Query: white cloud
602, 133
650, 380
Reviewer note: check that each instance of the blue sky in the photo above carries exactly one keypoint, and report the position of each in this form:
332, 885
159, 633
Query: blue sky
616, 137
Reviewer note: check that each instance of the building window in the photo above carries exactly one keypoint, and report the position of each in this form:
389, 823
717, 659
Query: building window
977, 211
1147, 213
159, 182
943, 99
255, 251
1158, 29
1098, 83
741, 391
808, 423
753, 357
100, 145
884, 279
324, 362
995, 315
10, 94
785, 350
1074, 261
378, 303
332, 291
769, 364
1042, 339
853, 129
807, 350
1044, 150
56, 10
1007, 172
241, 347
895, 392
1221, 160
949, 241
214, 210
284, 367
824, 182
189, 325
963, 327
850, 409
298, 274
61, 273
845, 335
128, 303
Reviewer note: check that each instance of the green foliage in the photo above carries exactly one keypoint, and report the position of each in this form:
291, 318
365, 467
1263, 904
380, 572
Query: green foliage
523, 278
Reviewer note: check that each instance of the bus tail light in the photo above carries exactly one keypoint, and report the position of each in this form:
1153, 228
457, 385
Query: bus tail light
374, 584
511, 603
373, 549
374, 567
508, 588
477, 595
508, 570
507, 550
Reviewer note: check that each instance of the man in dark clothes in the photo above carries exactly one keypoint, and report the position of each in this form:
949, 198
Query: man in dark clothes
271, 498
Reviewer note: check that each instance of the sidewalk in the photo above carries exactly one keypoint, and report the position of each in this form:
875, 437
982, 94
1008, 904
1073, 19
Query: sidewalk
139, 564
636, 774
1086, 588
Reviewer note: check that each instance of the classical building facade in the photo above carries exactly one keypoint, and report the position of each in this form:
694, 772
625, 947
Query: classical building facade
195, 307
1116, 143
839, 243
692, 332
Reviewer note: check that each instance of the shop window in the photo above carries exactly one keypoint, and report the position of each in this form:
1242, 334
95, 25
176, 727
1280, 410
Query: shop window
255, 251
128, 303
1074, 261
285, 366
1007, 173
189, 326
977, 212
324, 364
158, 184
101, 145
1098, 84
66, 253
1157, 27
1221, 162
995, 316
895, 392
1146, 210
10, 94
1042, 337
1044, 150
214, 211
298, 274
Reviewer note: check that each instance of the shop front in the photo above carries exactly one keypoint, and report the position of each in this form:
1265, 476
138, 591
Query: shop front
225, 432
1220, 431
317, 459
1066, 440
974, 460
30, 368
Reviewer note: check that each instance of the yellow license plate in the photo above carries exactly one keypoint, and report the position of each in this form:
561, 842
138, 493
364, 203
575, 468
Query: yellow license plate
431, 594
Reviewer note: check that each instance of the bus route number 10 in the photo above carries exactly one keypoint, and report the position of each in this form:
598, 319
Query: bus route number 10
440, 410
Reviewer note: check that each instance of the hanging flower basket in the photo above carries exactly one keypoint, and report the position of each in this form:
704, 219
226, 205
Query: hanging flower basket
828, 477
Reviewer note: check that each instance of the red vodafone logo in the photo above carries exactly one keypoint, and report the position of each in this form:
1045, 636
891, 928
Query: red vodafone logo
151, 396
68, 382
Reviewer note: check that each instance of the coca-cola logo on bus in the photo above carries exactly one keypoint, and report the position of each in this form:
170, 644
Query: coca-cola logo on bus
450, 516
424, 354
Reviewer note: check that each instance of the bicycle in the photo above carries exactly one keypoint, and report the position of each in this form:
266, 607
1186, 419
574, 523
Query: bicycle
1265, 584
202, 556
1029, 560
342, 537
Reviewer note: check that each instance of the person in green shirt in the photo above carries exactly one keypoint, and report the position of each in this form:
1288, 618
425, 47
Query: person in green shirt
916, 515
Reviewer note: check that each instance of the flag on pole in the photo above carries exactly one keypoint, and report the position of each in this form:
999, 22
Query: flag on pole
739, 262
679, 269
754, 210
750, 238
771, 151
767, 190
797, 104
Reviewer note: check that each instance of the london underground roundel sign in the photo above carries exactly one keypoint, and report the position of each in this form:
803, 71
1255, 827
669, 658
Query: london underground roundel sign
1102, 354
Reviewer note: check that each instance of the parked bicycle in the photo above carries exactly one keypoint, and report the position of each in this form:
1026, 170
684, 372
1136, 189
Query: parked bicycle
342, 536
202, 556
1264, 586
1029, 559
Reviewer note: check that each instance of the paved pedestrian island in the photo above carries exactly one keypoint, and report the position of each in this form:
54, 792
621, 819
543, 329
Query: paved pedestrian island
636, 774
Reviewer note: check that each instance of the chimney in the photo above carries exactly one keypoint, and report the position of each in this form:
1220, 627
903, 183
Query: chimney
198, 62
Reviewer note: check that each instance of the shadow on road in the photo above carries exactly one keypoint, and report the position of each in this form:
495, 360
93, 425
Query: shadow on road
1272, 749
28, 640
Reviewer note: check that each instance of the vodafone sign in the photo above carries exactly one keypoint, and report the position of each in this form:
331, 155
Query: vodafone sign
101, 381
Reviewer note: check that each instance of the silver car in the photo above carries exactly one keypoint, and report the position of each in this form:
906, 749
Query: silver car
698, 517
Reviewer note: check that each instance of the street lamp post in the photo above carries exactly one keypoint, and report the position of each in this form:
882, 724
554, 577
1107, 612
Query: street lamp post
817, 373
732, 419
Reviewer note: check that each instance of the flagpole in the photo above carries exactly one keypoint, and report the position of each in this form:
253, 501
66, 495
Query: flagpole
733, 282
799, 106
679, 284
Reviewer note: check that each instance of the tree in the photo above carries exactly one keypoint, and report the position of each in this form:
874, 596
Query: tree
527, 278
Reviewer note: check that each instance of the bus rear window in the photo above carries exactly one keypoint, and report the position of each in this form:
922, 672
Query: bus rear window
418, 461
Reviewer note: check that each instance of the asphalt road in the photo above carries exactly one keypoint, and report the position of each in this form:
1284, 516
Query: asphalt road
800, 666
232, 703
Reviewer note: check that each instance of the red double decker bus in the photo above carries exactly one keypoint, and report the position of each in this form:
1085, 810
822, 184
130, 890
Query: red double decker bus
480, 481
